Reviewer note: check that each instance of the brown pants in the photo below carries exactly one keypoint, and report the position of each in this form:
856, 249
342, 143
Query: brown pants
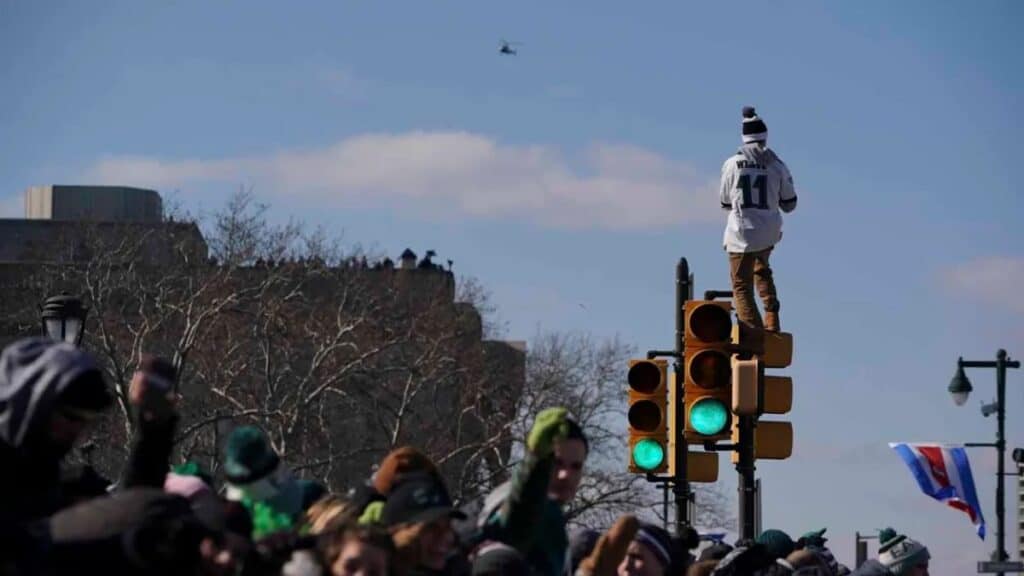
746, 269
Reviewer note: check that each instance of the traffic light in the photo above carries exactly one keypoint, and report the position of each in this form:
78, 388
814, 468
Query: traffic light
648, 415
708, 371
773, 440
755, 394
700, 466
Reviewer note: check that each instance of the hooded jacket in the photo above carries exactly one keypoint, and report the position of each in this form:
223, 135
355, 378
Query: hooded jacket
756, 184
34, 374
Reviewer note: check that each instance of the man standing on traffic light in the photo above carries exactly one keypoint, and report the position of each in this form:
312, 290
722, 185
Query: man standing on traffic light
755, 185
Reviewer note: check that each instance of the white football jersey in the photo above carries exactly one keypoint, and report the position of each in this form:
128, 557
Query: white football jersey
756, 184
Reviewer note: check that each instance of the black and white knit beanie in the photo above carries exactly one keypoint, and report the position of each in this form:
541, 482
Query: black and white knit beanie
901, 554
754, 129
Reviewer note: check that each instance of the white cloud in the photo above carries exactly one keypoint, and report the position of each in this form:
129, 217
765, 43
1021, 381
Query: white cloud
994, 280
454, 173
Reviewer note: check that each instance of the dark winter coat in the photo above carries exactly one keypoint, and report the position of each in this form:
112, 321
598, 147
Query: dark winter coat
135, 531
34, 374
872, 568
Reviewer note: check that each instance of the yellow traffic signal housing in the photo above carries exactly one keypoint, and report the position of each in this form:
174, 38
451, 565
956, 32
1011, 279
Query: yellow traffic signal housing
700, 466
707, 370
774, 348
778, 395
708, 323
772, 441
745, 379
778, 390
648, 416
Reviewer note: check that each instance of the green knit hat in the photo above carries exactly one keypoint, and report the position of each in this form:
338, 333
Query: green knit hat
814, 538
248, 456
900, 554
776, 542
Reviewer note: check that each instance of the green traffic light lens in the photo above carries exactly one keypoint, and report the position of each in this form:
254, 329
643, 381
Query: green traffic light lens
648, 454
708, 416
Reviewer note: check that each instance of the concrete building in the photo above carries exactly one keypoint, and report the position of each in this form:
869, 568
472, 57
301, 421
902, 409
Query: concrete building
68, 223
93, 203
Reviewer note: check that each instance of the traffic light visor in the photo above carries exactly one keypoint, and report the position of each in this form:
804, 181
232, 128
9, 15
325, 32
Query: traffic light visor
710, 323
708, 416
645, 416
648, 454
644, 377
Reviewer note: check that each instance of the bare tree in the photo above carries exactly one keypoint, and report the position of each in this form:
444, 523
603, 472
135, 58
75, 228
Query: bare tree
338, 360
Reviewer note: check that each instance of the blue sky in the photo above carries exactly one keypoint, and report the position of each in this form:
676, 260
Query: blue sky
570, 178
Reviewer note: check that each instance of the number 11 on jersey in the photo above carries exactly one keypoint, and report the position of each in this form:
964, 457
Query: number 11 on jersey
761, 184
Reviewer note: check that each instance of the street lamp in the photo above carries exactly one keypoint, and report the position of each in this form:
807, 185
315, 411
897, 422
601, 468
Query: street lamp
63, 318
960, 387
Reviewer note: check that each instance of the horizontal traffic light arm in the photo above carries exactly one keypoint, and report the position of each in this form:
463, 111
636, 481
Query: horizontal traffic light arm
701, 467
720, 447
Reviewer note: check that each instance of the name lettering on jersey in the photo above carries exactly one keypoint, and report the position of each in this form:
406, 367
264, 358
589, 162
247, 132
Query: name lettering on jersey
747, 164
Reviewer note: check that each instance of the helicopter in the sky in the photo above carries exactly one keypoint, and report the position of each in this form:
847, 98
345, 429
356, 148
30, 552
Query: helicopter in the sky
507, 47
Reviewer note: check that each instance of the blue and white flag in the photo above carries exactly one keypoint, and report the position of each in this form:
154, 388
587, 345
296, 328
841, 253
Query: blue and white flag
944, 473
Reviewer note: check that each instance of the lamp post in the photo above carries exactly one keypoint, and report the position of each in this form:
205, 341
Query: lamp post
960, 387
63, 318
862, 548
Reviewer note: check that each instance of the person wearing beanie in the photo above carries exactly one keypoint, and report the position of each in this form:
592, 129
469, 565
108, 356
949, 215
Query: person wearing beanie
755, 186
903, 556
649, 554
399, 463
807, 562
812, 539
256, 478
777, 543
419, 513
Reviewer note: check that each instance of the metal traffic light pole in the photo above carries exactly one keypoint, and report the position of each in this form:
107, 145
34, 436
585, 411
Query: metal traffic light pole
680, 483
747, 483
744, 448
681, 486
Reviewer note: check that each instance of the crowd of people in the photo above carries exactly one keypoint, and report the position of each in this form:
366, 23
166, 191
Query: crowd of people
264, 520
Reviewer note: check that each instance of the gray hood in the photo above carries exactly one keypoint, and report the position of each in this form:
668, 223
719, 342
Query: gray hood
762, 155
34, 372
